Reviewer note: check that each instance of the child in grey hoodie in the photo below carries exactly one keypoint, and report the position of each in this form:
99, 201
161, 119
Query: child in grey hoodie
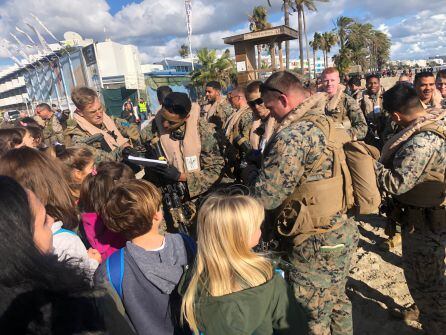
142, 277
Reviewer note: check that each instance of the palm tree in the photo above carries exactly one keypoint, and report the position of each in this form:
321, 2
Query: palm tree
315, 44
329, 40
213, 68
300, 6
183, 51
259, 21
343, 25
286, 5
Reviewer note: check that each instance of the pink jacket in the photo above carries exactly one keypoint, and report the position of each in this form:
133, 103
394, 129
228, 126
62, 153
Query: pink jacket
100, 238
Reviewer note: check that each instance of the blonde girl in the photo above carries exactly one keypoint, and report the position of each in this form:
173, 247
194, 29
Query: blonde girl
232, 289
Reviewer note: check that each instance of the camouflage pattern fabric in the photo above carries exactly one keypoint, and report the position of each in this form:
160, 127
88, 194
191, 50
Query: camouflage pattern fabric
223, 110
424, 269
289, 156
320, 276
52, 130
75, 136
128, 130
211, 159
423, 233
348, 108
410, 162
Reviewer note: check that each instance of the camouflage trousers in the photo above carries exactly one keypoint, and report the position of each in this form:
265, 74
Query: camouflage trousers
424, 269
322, 264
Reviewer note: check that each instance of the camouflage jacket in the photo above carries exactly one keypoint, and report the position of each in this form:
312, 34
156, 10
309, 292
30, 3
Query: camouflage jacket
52, 130
347, 110
289, 155
222, 109
211, 159
76, 136
413, 162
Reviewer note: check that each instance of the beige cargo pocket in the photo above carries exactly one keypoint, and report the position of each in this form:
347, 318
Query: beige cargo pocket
288, 227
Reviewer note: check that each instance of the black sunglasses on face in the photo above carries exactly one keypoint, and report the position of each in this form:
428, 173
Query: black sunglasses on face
264, 87
255, 102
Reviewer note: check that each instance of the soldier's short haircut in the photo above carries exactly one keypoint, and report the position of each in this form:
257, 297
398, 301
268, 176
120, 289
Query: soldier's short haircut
354, 81
329, 70
162, 92
401, 98
371, 76
283, 81
214, 84
422, 74
441, 74
44, 105
239, 90
253, 86
83, 96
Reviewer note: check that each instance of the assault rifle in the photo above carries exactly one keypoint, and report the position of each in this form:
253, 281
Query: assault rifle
98, 138
179, 209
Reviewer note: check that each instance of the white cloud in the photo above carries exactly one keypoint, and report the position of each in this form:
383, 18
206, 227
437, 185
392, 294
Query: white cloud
157, 27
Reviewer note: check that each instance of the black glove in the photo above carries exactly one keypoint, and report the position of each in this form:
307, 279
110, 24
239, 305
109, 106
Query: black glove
166, 172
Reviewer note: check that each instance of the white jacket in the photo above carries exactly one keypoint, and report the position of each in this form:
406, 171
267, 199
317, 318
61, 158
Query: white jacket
67, 245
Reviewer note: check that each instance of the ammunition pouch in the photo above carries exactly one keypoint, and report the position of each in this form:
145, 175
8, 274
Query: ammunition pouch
424, 219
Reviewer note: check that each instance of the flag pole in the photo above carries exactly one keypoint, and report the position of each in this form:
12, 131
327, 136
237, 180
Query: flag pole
188, 6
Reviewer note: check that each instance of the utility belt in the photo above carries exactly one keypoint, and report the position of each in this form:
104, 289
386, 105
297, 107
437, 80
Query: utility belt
416, 218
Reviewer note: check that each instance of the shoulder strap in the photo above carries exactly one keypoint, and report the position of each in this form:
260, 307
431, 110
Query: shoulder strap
434, 127
63, 230
191, 247
115, 270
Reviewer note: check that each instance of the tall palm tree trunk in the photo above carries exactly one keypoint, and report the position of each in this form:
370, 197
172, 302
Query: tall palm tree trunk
286, 14
259, 59
306, 43
301, 48
314, 63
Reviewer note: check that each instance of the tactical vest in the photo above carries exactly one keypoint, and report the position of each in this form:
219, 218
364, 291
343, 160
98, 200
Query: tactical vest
233, 132
432, 191
310, 208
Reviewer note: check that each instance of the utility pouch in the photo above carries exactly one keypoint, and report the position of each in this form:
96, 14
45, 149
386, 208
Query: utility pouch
286, 227
436, 219
415, 218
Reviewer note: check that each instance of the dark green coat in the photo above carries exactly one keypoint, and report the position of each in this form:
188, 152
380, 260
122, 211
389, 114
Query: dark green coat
263, 310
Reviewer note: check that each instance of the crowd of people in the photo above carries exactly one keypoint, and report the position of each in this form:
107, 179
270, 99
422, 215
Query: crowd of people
235, 216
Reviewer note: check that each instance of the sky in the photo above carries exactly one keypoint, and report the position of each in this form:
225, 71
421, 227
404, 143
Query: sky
417, 28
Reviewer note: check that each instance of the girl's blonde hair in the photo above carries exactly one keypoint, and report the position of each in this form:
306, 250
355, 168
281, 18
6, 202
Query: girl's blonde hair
225, 262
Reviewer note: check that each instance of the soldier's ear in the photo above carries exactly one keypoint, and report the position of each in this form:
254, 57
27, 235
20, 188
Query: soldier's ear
396, 117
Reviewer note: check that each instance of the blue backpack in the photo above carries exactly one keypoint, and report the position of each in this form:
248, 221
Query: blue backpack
115, 263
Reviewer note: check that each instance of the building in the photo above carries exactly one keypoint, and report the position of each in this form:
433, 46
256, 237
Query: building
177, 65
75, 62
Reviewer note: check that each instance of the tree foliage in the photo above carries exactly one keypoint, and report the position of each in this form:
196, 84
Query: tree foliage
221, 69
360, 44
183, 51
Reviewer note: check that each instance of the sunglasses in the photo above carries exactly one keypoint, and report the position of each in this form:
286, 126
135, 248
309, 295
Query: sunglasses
265, 87
256, 102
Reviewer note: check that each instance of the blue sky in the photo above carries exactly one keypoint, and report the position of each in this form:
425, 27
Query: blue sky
157, 27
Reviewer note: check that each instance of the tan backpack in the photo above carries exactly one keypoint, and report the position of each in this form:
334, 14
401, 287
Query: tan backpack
360, 159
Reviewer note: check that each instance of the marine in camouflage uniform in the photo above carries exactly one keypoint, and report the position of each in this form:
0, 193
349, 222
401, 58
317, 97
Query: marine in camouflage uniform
321, 256
217, 112
344, 110
76, 136
211, 159
52, 130
211, 162
413, 171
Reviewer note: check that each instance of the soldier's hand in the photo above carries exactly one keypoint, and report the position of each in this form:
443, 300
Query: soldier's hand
166, 172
